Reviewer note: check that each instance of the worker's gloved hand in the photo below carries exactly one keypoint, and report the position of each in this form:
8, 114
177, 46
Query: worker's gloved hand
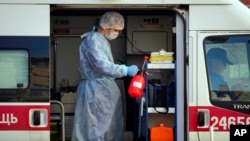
132, 70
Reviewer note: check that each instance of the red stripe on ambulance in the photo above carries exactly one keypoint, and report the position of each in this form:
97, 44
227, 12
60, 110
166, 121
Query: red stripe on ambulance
20, 117
220, 119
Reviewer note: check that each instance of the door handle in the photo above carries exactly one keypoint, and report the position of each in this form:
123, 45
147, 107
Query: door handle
203, 118
38, 117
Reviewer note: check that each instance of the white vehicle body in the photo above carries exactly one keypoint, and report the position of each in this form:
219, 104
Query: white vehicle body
195, 24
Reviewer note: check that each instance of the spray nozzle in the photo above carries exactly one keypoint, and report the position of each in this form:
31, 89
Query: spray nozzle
143, 66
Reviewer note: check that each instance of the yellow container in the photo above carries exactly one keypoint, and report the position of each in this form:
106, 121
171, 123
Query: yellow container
166, 57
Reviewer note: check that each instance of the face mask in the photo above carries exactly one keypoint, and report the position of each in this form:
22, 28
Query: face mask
112, 35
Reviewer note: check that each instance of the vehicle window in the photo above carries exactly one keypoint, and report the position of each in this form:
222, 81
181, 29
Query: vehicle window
14, 73
227, 63
24, 69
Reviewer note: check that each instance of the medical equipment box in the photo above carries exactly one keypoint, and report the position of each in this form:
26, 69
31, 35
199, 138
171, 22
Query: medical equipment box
161, 133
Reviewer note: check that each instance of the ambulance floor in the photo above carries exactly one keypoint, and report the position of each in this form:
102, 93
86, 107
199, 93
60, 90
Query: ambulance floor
55, 132
128, 136
57, 137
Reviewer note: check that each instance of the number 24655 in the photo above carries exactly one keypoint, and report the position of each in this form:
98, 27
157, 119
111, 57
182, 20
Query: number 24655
224, 123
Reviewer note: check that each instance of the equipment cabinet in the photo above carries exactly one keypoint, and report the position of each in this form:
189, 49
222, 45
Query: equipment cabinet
148, 114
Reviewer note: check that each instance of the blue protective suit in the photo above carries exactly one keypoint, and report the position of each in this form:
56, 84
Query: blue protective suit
98, 111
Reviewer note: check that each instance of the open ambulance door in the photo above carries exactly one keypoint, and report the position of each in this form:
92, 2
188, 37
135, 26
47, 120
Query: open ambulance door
180, 71
218, 108
213, 105
24, 72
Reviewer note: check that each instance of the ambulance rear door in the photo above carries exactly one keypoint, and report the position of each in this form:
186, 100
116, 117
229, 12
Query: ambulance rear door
219, 108
211, 112
24, 73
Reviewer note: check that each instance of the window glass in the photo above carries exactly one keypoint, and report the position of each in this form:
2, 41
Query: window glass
227, 62
14, 72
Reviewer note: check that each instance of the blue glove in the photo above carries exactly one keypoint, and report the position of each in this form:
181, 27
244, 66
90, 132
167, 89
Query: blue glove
132, 70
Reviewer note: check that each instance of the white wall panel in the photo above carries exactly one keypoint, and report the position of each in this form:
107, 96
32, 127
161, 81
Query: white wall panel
219, 17
25, 20
120, 1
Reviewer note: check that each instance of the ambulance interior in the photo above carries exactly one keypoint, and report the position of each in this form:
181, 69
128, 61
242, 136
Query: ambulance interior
146, 31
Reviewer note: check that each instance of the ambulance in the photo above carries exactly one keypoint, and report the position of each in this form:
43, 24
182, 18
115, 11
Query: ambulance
39, 42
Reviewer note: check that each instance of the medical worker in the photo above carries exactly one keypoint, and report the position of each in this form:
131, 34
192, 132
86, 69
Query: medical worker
98, 111
217, 62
